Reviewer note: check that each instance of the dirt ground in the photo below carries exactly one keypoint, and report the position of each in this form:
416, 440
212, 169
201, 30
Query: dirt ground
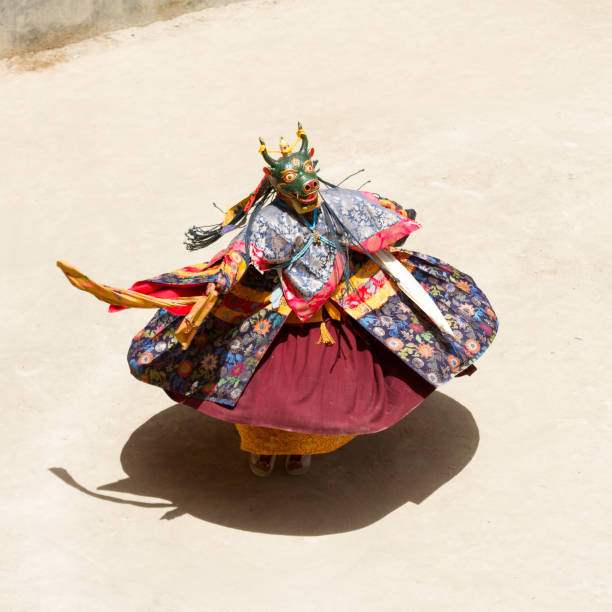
492, 119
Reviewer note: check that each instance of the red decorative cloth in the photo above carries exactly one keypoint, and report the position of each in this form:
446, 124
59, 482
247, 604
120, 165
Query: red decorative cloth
354, 386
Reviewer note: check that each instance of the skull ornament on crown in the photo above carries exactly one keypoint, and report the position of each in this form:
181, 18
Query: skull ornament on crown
293, 174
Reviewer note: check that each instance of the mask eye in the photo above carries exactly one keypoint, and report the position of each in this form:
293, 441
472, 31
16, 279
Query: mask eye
308, 167
296, 162
290, 176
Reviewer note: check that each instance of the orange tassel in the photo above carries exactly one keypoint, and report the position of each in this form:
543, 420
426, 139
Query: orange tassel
325, 337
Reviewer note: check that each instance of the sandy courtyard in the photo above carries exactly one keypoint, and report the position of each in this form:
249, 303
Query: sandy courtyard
493, 120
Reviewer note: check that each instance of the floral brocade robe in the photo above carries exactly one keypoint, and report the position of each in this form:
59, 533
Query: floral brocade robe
256, 301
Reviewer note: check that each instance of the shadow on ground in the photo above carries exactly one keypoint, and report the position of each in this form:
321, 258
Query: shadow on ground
195, 463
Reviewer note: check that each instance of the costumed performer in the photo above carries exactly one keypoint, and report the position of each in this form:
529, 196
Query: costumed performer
313, 326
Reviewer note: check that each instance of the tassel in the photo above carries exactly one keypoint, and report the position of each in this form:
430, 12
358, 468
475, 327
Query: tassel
198, 237
325, 337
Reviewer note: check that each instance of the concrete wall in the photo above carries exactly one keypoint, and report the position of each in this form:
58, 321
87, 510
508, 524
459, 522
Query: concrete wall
32, 25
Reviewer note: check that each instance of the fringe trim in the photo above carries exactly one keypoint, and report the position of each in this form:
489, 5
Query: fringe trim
325, 337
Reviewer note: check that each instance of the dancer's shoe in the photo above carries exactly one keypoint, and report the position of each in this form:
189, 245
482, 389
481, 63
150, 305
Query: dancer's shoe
262, 465
296, 465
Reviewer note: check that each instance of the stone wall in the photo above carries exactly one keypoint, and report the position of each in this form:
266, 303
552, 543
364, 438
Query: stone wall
32, 25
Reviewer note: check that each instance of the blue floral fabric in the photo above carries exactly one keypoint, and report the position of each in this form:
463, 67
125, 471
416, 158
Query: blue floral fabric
219, 362
410, 334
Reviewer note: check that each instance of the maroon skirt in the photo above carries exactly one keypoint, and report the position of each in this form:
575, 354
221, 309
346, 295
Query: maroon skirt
354, 386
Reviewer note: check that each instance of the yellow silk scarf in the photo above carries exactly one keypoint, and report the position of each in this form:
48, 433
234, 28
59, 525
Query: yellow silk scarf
202, 304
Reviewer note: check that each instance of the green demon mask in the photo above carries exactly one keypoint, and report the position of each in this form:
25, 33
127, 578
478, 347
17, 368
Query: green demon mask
293, 174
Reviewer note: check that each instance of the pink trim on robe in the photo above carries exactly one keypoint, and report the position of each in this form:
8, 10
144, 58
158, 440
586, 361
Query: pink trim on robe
390, 235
